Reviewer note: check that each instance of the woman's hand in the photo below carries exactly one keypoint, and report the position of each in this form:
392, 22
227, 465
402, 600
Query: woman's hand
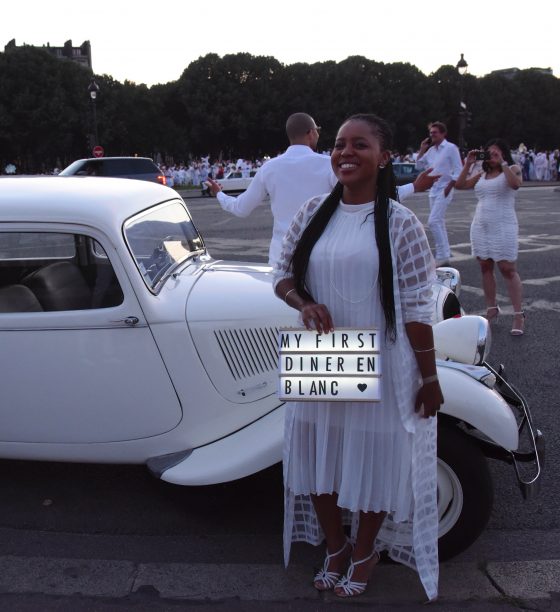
471, 157
496, 156
317, 317
429, 399
314, 316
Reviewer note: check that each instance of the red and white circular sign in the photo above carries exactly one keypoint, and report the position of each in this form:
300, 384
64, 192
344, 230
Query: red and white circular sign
98, 151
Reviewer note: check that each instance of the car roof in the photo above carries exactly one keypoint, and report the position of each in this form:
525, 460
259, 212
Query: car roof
96, 201
100, 159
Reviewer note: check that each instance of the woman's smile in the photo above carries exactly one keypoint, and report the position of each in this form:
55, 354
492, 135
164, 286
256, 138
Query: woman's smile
348, 166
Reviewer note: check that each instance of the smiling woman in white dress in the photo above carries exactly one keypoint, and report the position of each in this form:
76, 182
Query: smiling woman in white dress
494, 229
357, 258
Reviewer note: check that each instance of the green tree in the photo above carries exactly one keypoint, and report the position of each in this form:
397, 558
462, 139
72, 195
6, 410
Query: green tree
237, 105
228, 104
43, 108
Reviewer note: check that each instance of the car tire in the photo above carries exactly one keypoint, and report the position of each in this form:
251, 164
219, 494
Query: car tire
465, 491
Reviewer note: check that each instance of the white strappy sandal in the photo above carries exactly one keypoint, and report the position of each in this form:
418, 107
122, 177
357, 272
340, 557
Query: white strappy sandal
493, 318
351, 588
519, 331
325, 580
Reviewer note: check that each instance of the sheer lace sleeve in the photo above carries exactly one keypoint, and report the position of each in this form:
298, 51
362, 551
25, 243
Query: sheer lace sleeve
282, 268
415, 266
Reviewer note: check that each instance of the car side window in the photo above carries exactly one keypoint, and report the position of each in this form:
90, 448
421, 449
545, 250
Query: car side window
51, 271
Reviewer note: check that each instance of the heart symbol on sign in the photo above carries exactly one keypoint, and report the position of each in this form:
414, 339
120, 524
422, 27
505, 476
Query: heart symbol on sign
362, 387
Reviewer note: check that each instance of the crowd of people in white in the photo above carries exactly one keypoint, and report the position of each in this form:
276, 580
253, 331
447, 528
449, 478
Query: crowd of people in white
196, 172
536, 166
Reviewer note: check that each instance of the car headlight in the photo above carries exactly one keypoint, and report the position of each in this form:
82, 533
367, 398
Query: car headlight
463, 339
450, 277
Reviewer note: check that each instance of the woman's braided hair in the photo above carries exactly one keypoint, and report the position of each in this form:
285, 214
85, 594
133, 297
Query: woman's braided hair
386, 190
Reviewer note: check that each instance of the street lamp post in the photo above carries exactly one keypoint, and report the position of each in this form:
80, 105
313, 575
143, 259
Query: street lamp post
462, 70
93, 89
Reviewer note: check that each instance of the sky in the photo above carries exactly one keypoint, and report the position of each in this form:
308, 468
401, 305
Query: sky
151, 42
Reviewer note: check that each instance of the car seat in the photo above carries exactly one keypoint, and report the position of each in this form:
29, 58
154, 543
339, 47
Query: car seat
18, 298
59, 286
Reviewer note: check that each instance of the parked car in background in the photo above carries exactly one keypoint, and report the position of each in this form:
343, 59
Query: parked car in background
405, 172
233, 182
141, 168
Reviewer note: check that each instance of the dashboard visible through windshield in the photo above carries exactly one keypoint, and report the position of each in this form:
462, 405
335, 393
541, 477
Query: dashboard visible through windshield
160, 239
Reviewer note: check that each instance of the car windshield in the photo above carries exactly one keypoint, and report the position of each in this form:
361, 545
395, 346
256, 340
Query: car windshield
160, 239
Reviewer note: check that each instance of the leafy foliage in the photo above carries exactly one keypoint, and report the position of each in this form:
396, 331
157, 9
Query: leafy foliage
237, 105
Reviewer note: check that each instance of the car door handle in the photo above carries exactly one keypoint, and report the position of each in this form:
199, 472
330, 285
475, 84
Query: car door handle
130, 321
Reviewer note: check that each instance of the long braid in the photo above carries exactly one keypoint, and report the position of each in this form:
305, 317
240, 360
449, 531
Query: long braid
386, 190
312, 233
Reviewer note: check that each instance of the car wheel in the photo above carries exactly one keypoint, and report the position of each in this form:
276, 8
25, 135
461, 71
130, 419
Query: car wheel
465, 492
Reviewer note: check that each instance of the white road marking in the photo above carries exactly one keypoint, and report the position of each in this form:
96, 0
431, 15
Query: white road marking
541, 281
529, 304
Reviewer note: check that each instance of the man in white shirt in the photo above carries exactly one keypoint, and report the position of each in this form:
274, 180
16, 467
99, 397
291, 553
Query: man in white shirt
289, 180
443, 156
540, 166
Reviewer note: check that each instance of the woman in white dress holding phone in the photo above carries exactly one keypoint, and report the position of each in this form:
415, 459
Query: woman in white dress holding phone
494, 229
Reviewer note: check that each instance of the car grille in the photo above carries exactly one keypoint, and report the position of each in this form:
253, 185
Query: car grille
250, 351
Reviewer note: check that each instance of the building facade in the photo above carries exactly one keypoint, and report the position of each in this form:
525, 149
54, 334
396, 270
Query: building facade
81, 55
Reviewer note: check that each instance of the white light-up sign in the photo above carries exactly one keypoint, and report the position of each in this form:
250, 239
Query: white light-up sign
344, 365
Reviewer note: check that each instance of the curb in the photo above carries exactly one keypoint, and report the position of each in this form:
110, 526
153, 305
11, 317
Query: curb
200, 582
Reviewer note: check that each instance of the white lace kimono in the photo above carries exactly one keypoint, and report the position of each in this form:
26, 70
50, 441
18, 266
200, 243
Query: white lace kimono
376, 456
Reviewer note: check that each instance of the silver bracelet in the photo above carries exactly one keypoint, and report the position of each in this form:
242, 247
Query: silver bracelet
287, 294
430, 379
424, 350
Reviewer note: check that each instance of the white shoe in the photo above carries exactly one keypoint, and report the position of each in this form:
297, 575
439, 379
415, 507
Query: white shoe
346, 587
520, 329
325, 580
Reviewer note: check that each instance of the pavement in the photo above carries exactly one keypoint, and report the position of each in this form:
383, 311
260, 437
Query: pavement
522, 584
502, 571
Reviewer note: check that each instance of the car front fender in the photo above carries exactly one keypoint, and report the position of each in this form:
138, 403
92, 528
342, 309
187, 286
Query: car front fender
471, 401
245, 452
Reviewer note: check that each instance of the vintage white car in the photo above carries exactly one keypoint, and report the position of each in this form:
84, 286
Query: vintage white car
122, 340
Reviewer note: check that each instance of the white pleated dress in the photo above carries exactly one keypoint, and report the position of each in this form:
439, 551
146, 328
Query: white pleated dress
494, 229
377, 456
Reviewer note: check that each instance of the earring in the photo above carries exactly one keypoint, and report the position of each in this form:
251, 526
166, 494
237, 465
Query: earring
381, 166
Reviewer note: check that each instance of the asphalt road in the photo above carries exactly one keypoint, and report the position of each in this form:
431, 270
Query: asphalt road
120, 512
